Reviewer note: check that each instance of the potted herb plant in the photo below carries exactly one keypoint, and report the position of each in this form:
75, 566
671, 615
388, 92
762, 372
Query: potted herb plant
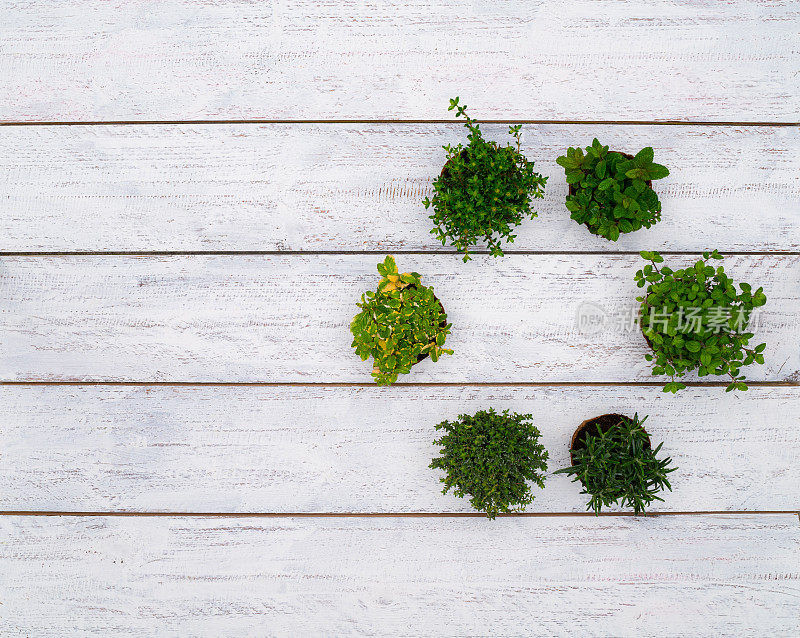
612, 192
484, 190
694, 319
399, 325
613, 459
491, 457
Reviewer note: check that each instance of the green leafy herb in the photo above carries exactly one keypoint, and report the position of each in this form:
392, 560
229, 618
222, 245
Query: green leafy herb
694, 318
490, 457
610, 192
616, 464
400, 323
484, 190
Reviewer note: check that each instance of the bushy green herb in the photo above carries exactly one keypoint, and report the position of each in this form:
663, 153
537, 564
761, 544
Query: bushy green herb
694, 318
490, 457
484, 191
616, 464
611, 191
399, 323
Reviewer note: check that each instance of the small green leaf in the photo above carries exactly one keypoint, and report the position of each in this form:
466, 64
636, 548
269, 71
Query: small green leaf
645, 156
657, 171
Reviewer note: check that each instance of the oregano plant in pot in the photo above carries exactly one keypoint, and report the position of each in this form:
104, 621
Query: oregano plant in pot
492, 458
400, 324
694, 318
484, 190
612, 458
612, 192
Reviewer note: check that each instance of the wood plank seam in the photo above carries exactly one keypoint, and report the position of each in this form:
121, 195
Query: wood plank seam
443, 251
123, 513
412, 384
402, 121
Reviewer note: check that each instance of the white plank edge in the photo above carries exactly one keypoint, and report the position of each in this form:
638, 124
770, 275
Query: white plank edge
696, 575
360, 187
279, 318
354, 449
299, 59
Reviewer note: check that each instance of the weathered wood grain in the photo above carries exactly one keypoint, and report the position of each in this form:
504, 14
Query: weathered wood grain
703, 575
360, 187
357, 449
268, 318
703, 60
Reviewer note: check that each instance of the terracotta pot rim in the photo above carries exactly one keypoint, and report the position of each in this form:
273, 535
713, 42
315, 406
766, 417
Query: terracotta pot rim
646, 338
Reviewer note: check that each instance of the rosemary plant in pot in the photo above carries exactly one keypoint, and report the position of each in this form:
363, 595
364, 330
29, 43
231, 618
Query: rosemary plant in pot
612, 458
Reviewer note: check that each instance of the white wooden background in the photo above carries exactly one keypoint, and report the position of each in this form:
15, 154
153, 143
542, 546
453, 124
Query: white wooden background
192, 197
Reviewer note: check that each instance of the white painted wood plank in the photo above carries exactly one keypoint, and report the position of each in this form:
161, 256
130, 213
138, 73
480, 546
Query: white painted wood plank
360, 187
704, 60
356, 449
268, 318
695, 575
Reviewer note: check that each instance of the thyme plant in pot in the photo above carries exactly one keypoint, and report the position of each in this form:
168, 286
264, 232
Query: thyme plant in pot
491, 458
612, 192
484, 190
612, 458
400, 324
695, 319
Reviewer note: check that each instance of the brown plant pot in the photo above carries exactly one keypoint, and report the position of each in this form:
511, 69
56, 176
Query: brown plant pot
422, 357
649, 343
594, 426
646, 338
649, 182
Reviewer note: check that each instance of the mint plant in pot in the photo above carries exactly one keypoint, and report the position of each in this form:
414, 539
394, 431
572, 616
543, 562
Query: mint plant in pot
484, 191
400, 324
694, 318
491, 458
612, 458
612, 192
